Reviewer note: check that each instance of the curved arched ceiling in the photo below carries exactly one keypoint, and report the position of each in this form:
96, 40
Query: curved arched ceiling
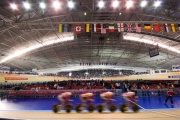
86, 48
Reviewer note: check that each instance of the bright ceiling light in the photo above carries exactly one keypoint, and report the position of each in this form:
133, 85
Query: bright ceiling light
56, 4
143, 3
42, 5
101, 4
26, 5
69, 37
157, 3
70, 4
152, 43
13, 6
115, 3
129, 4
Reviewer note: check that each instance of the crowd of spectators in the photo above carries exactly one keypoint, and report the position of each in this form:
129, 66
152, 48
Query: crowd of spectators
127, 72
96, 73
140, 73
4, 72
78, 74
83, 74
55, 85
90, 84
19, 72
63, 74
25, 72
48, 74
111, 73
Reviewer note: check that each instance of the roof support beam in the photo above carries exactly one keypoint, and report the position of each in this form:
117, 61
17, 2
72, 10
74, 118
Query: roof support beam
90, 22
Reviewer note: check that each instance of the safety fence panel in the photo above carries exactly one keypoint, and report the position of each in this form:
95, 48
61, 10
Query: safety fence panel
76, 93
155, 92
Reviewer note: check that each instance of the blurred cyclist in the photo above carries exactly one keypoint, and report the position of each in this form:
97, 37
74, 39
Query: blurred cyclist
64, 98
86, 98
129, 96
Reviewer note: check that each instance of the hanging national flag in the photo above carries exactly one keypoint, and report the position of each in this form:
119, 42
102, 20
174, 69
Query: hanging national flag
70, 28
111, 27
156, 27
120, 27
138, 27
173, 28
61, 28
179, 26
87, 27
103, 28
95, 27
147, 27
165, 27
129, 28
78, 29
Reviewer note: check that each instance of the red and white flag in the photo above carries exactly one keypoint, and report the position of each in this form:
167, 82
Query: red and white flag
138, 27
165, 27
120, 27
129, 28
103, 28
78, 28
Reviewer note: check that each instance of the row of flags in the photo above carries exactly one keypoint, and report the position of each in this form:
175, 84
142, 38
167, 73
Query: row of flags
122, 27
101, 63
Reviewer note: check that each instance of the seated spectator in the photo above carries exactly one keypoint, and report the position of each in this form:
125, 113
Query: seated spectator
118, 85
143, 87
55, 86
158, 87
134, 87
112, 87
146, 87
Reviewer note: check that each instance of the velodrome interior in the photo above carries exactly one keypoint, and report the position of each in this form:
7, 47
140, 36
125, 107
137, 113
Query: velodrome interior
60, 45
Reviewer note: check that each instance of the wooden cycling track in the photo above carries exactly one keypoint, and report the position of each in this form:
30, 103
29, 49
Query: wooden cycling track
48, 115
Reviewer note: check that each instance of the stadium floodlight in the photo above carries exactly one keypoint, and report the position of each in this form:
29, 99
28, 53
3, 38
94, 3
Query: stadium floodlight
101, 4
56, 4
157, 3
136, 39
70, 4
42, 5
26, 5
129, 4
143, 3
65, 37
13, 6
115, 4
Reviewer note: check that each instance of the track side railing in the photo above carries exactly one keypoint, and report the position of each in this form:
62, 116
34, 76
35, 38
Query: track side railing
75, 93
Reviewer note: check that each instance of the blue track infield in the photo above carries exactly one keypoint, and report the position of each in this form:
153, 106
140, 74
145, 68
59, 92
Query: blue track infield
45, 104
